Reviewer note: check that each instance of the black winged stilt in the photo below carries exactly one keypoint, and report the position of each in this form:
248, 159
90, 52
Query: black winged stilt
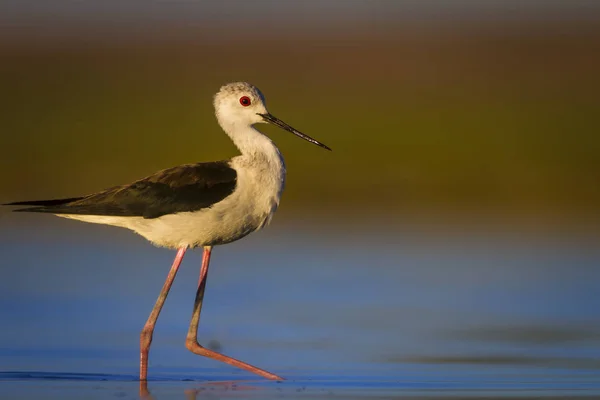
196, 205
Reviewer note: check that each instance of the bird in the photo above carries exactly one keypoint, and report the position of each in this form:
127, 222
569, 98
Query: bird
196, 205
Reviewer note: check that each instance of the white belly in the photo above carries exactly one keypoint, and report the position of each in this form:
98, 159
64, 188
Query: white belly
251, 206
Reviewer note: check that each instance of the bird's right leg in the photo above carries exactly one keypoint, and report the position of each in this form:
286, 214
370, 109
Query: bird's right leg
146, 335
192, 336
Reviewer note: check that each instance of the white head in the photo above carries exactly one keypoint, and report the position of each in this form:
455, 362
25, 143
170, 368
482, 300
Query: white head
240, 104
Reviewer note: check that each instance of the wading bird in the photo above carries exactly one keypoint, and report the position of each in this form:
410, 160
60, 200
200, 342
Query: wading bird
196, 205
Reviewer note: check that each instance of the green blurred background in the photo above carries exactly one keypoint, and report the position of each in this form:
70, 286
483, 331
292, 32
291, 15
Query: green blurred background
436, 110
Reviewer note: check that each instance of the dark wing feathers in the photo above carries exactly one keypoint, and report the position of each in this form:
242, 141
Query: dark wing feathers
55, 202
184, 188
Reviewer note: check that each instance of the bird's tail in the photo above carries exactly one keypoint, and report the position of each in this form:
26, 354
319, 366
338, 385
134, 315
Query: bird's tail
41, 205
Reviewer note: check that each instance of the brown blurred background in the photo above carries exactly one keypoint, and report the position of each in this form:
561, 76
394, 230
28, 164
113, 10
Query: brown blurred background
434, 109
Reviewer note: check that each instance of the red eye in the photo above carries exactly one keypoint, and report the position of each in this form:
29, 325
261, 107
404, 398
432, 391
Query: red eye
245, 101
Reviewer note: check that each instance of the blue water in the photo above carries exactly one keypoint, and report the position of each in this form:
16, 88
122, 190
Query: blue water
357, 313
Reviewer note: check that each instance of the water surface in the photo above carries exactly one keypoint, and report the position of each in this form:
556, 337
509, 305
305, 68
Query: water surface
366, 314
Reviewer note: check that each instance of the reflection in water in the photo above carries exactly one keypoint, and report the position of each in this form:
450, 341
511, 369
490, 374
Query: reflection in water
208, 389
144, 392
213, 389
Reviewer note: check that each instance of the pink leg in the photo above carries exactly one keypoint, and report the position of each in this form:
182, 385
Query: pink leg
146, 335
192, 337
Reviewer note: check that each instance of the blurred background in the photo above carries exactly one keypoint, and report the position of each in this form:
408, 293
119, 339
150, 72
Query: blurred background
456, 220
440, 107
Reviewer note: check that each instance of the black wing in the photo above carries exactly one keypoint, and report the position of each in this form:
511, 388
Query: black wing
184, 188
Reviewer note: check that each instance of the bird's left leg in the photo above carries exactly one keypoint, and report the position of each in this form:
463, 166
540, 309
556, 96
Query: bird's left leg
192, 337
148, 331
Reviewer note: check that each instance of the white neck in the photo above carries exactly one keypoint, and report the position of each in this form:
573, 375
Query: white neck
248, 140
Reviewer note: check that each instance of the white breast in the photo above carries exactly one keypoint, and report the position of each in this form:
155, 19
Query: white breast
260, 182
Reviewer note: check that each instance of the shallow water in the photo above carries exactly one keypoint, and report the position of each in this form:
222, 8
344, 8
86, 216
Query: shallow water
354, 314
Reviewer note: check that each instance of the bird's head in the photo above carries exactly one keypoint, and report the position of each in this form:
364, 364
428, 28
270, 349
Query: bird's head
243, 104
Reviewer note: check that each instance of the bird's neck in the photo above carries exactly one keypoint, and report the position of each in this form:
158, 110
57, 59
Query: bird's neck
260, 168
250, 141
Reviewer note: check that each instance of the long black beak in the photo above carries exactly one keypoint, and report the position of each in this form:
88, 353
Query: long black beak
276, 121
